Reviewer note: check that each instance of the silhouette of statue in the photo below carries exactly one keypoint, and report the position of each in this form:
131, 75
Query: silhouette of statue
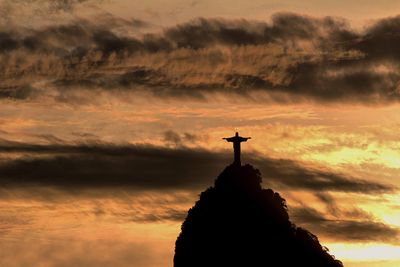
238, 223
236, 140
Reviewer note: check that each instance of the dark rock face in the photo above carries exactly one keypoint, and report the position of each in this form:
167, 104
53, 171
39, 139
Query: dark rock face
238, 223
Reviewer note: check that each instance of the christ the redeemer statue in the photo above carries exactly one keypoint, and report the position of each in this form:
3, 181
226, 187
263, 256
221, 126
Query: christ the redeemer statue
236, 140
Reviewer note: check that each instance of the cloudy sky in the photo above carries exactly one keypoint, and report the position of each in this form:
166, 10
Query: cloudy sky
112, 114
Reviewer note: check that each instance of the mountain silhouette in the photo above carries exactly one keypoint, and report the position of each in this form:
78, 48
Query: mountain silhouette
238, 223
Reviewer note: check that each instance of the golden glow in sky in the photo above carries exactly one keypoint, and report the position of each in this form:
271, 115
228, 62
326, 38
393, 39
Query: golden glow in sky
112, 114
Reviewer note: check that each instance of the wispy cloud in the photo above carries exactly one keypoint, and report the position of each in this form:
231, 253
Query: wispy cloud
156, 168
294, 58
341, 227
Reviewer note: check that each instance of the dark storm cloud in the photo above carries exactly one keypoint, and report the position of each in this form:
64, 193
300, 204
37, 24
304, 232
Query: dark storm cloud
199, 33
7, 42
102, 165
285, 28
345, 83
298, 57
18, 92
364, 229
149, 167
166, 215
293, 175
381, 41
71, 40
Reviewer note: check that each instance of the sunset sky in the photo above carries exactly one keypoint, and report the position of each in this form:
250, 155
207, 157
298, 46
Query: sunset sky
112, 114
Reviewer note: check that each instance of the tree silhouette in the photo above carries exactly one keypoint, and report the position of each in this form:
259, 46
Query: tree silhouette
238, 223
